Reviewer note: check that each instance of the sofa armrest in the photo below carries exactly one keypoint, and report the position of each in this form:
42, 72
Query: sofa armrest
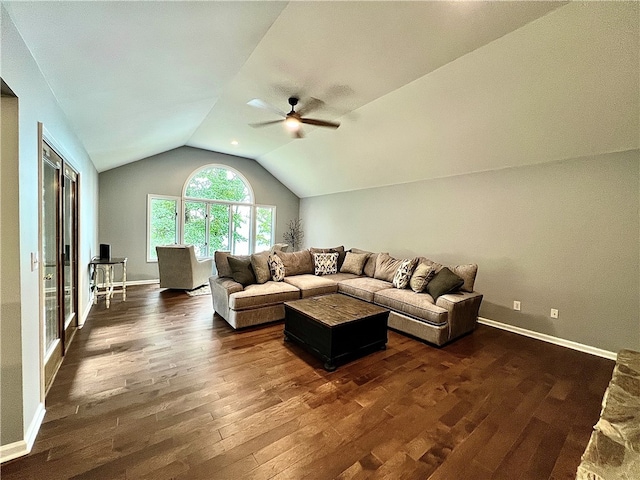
462, 308
221, 289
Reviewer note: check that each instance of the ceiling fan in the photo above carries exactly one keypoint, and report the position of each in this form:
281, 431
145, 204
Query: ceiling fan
293, 120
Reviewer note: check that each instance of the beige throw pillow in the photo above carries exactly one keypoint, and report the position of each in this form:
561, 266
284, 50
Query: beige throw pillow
354, 263
422, 275
260, 265
370, 266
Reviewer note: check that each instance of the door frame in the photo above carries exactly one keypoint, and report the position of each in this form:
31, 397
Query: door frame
44, 137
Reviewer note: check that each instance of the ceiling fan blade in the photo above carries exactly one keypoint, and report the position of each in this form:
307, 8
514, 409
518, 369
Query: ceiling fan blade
319, 123
311, 105
264, 124
256, 102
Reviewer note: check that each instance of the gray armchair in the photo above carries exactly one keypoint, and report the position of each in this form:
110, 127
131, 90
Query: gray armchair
179, 268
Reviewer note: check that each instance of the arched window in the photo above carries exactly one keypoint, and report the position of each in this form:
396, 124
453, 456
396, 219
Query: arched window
216, 212
216, 182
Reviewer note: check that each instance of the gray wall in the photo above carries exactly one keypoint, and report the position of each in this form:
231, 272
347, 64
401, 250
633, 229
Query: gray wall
560, 235
10, 335
124, 190
36, 103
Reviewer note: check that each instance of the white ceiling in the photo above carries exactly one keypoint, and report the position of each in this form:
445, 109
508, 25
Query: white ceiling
139, 78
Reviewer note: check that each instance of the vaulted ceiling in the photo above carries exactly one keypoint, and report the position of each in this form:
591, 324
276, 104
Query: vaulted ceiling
421, 89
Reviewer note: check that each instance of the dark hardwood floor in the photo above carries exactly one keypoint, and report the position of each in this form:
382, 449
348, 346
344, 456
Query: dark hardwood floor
157, 387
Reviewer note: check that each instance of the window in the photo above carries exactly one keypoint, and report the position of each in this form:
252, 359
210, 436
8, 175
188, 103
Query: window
265, 228
162, 227
218, 213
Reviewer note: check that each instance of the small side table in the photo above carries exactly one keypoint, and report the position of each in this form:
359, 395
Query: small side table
104, 267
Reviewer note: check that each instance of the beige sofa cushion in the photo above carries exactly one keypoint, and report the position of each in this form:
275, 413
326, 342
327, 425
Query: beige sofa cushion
296, 263
386, 267
260, 266
370, 266
354, 263
258, 295
340, 276
467, 272
362, 287
222, 264
422, 275
416, 305
312, 285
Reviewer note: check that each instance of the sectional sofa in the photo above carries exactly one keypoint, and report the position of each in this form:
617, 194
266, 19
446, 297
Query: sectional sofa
426, 300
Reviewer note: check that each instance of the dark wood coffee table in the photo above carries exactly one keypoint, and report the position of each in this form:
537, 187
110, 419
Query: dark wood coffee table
336, 327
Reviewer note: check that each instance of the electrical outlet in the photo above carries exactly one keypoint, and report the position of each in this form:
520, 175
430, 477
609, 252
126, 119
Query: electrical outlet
554, 313
516, 305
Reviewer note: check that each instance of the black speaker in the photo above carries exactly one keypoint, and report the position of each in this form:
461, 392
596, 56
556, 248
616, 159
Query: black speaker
105, 251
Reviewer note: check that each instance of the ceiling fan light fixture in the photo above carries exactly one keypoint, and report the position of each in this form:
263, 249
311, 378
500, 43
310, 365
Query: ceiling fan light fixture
292, 124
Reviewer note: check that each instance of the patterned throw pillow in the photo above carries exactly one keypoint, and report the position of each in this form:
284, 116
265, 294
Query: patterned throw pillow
403, 274
325, 263
276, 267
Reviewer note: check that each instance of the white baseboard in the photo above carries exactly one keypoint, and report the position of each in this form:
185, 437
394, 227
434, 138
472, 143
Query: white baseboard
140, 282
550, 339
23, 447
133, 282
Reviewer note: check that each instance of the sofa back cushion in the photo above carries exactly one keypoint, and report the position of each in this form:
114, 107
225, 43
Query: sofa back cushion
386, 267
369, 268
297, 263
222, 264
467, 272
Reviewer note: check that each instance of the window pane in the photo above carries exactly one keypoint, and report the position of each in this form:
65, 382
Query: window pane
162, 224
195, 216
241, 229
264, 228
218, 228
218, 184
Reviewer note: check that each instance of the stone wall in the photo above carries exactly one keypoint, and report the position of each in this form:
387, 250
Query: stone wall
613, 452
